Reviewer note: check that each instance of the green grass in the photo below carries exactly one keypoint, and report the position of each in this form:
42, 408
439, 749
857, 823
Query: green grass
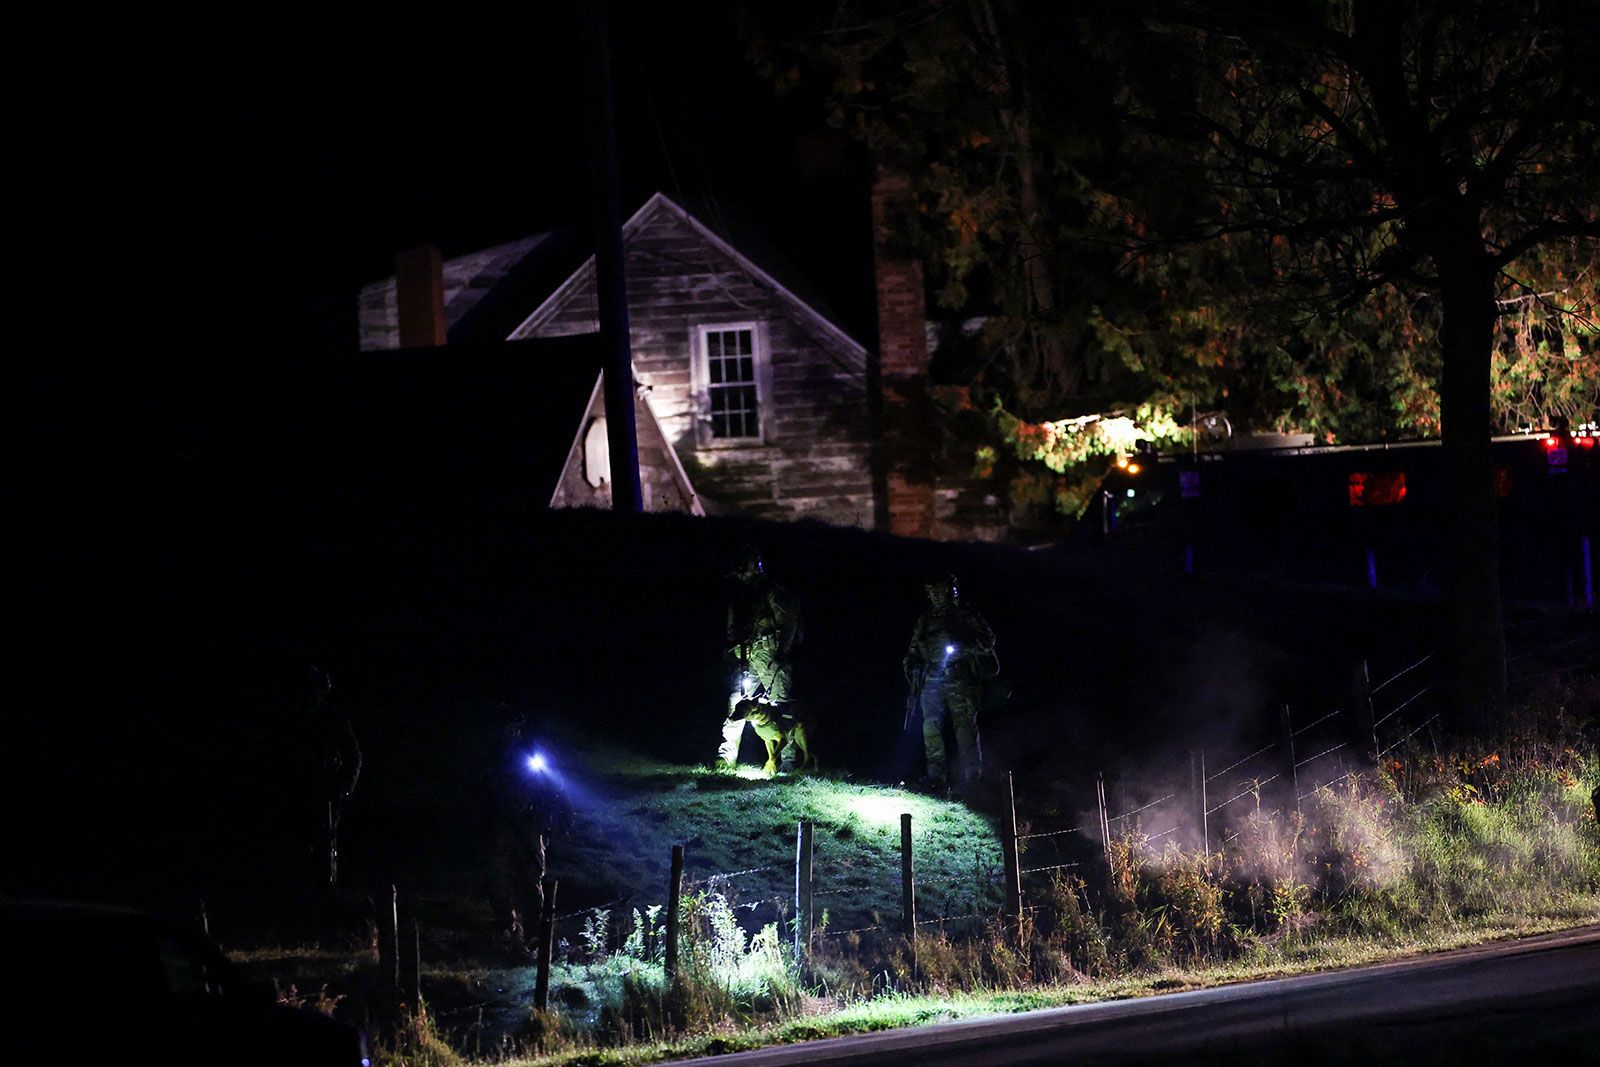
894, 1010
1435, 855
1427, 853
740, 822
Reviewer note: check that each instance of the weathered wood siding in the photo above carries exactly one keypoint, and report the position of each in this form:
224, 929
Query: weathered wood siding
815, 457
658, 476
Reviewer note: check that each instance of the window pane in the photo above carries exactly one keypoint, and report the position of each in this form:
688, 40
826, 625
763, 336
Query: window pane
730, 375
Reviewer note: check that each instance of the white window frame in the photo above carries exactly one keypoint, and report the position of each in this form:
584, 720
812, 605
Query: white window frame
700, 383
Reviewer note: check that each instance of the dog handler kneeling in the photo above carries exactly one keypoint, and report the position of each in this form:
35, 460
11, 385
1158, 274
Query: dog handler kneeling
763, 628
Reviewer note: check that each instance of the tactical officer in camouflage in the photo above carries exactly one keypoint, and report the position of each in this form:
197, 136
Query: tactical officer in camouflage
763, 628
944, 668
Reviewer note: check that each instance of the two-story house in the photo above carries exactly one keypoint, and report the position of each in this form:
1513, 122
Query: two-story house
751, 400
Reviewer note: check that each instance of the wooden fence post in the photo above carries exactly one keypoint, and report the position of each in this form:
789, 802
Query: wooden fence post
908, 884
674, 900
390, 967
411, 967
1197, 786
1288, 741
803, 889
333, 845
1105, 821
1013, 855
547, 938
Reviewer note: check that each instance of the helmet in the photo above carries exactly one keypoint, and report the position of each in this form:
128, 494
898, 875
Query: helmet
748, 562
944, 580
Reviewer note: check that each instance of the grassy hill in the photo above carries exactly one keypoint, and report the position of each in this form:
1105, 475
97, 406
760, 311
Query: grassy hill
738, 832
631, 810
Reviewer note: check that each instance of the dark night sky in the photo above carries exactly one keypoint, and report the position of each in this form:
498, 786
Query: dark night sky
228, 183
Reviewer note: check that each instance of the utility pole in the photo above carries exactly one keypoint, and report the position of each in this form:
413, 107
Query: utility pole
610, 282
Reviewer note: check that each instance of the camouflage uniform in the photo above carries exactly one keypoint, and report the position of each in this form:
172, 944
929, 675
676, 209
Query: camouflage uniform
943, 661
763, 628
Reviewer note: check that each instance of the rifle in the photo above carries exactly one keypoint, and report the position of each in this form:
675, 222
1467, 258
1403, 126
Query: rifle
744, 666
914, 698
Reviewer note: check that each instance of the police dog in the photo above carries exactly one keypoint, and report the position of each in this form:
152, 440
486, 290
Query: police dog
778, 727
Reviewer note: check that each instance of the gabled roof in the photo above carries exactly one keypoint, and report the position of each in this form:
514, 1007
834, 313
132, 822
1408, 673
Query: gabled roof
661, 202
487, 293
478, 287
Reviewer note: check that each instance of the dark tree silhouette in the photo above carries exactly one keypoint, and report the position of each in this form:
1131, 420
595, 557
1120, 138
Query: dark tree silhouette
1445, 148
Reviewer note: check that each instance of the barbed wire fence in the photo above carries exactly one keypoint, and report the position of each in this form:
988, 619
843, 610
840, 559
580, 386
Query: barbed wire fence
1311, 751
1302, 755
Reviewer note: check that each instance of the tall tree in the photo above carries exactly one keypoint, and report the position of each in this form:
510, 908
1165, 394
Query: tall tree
1444, 149
1365, 218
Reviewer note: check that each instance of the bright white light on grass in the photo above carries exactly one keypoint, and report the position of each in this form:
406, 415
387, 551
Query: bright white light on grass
537, 763
751, 774
879, 810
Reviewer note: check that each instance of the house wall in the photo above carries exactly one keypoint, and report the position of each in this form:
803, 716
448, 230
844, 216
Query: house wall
815, 457
658, 479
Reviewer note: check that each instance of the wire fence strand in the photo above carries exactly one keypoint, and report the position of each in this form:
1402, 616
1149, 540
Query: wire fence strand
1319, 722
590, 911
1319, 755
1041, 870
725, 876
1328, 785
1050, 833
954, 918
854, 930
1135, 811
1396, 677
1403, 706
1255, 787
1407, 737
1241, 763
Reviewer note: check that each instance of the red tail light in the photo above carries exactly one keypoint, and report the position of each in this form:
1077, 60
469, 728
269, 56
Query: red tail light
1370, 489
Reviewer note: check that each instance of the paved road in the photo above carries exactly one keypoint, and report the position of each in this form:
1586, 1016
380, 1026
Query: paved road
1534, 1001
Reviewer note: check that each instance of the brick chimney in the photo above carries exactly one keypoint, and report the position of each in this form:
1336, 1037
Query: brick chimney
419, 297
903, 363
